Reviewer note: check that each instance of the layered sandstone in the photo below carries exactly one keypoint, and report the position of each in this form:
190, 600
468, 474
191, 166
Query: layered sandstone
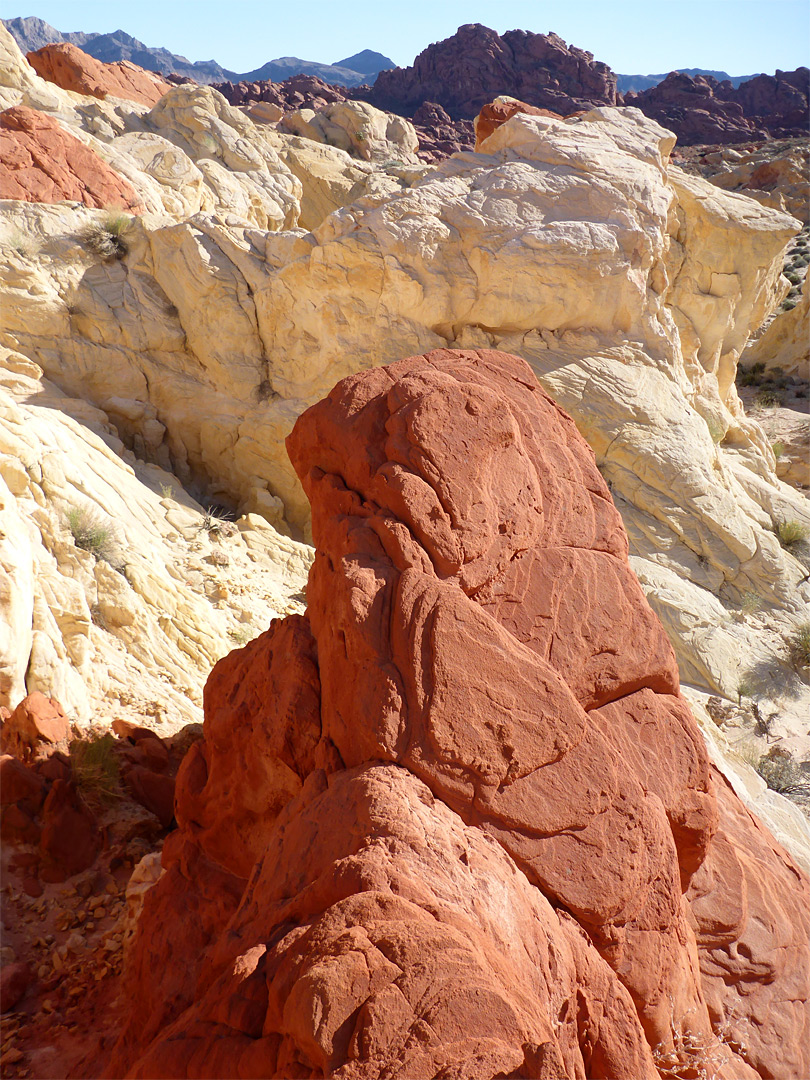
40, 162
129, 624
410, 804
71, 69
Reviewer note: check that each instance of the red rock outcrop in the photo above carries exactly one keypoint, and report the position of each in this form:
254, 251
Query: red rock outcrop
69, 67
41, 162
476, 65
438, 135
701, 110
458, 821
37, 722
498, 112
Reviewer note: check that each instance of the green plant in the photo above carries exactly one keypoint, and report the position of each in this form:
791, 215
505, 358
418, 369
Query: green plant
166, 491
751, 376
107, 238
241, 635
784, 775
751, 603
778, 449
787, 305
745, 688
799, 644
767, 399
95, 770
790, 533
94, 532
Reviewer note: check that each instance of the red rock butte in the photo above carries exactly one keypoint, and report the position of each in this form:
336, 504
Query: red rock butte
458, 821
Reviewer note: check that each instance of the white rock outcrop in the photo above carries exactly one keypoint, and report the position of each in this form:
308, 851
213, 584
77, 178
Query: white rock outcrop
358, 128
118, 592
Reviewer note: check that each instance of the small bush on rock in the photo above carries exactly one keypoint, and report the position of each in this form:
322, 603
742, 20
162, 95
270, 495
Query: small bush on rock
94, 532
783, 775
108, 238
799, 645
790, 533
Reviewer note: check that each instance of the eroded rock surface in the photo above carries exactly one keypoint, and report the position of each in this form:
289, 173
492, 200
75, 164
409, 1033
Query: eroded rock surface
40, 162
69, 67
410, 804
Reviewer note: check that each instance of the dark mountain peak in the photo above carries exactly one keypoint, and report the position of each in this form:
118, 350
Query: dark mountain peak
366, 62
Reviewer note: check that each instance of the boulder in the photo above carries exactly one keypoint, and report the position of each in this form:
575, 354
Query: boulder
71, 69
358, 128
41, 162
70, 837
497, 810
37, 724
14, 982
785, 343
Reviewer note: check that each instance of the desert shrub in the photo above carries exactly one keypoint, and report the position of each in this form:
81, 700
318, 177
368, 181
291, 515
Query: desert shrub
790, 533
767, 399
751, 376
745, 688
107, 238
799, 644
217, 522
751, 603
783, 775
793, 277
241, 635
788, 305
93, 531
94, 765
778, 449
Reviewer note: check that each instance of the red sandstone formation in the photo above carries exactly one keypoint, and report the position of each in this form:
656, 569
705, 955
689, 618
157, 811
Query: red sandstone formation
458, 821
475, 65
41, 162
38, 721
439, 136
69, 67
701, 110
297, 92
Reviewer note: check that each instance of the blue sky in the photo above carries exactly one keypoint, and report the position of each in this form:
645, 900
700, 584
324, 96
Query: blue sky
632, 36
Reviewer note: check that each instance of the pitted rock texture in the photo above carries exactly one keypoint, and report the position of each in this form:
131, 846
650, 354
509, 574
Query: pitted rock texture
443, 825
41, 162
475, 65
67, 66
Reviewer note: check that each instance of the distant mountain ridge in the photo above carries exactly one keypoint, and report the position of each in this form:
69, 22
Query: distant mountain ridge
32, 33
636, 83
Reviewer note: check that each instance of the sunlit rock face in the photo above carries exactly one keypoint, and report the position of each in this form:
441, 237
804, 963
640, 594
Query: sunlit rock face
458, 815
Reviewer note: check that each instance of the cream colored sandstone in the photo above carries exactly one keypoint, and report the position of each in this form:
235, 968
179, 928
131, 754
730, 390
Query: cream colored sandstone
629, 287
135, 634
358, 128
